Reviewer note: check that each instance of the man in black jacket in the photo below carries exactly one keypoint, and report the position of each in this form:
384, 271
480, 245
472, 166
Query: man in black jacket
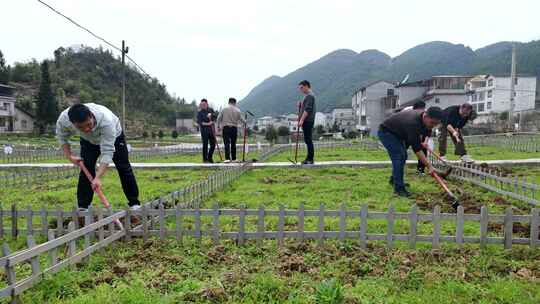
205, 118
455, 118
307, 119
402, 130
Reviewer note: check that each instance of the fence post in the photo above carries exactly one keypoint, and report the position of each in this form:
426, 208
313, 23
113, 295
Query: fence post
321, 226
60, 221
281, 225
363, 226
198, 232
88, 219
75, 217
413, 224
34, 262
29, 221
534, 222
215, 224
508, 228
145, 222
10, 273
127, 224
14, 222
162, 227
53, 253
72, 245
342, 223
436, 227
483, 226
460, 223
301, 223
101, 230
260, 226
178, 220
241, 225
390, 227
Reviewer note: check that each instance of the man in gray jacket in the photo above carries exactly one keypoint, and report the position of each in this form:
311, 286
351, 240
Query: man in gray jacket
101, 135
228, 121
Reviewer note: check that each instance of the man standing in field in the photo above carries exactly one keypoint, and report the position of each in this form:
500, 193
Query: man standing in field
454, 119
205, 118
402, 130
101, 135
228, 121
307, 119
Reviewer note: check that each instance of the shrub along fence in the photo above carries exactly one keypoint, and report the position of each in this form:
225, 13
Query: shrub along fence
78, 244
493, 180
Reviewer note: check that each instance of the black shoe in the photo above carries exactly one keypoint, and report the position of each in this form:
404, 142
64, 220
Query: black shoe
402, 193
210, 161
391, 182
307, 162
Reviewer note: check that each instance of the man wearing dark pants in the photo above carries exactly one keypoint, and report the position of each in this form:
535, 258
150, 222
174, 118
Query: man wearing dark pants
228, 121
420, 106
455, 118
101, 135
405, 129
307, 119
205, 118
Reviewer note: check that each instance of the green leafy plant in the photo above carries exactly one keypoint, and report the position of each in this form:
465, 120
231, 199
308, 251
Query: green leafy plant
329, 292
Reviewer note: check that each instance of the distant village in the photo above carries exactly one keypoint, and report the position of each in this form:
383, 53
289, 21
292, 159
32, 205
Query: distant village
371, 104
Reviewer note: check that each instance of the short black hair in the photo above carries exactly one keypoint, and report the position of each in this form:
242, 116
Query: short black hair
204, 100
467, 106
232, 100
435, 113
79, 113
305, 83
419, 105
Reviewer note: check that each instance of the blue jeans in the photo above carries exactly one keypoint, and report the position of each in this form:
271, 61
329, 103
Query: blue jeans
398, 155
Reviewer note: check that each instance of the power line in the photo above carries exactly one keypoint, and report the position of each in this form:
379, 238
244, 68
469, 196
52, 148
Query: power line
95, 35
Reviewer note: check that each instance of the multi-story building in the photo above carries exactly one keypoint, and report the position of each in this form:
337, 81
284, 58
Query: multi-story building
371, 104
490, 94
13, 119
441, 91
343, 118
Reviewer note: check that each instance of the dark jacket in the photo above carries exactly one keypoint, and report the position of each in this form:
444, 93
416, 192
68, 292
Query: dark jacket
452, 117
408, 127
202, 116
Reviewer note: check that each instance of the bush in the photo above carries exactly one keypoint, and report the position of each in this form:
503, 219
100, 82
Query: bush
161, 134
270, 134
329, 292
174, 134
283, 131
144, 134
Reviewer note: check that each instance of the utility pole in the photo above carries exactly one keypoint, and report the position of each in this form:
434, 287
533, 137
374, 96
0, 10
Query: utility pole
124, 52
512, 89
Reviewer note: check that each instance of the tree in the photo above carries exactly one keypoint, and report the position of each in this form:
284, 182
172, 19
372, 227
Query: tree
271, 134
47, 108
161, 134
145, 134
174, 134
4, 70
283, 131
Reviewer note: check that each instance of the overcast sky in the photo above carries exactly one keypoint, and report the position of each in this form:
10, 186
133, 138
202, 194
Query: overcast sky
217, 49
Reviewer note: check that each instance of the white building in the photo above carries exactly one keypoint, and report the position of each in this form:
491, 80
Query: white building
490, 94
265, 122
322, 119
343, 118
369, 106
13, 119
441, 91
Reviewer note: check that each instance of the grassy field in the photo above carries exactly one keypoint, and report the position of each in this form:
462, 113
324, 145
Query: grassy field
165, 272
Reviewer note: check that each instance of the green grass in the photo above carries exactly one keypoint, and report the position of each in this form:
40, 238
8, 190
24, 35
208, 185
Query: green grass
165, 272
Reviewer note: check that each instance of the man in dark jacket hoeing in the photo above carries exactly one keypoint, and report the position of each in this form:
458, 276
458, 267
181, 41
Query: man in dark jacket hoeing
404, 129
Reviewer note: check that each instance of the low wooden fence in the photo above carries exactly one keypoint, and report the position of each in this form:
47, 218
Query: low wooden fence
494, 180
527, 142
31, 176
64, 250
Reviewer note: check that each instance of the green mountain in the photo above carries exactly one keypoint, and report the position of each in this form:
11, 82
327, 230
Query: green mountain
337, 75
94, 75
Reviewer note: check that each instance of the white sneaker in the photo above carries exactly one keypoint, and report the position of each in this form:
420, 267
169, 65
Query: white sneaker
467, 159
226, 161
444, 159
135, 207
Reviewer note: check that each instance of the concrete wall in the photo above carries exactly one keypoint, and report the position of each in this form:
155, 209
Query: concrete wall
407, 94
444, 101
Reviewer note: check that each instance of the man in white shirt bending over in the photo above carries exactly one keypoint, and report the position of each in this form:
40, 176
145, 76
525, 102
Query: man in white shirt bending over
101, 134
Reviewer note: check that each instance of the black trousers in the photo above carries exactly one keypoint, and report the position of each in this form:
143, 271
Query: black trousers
208, 138
230, 134
307, 128
90, 154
